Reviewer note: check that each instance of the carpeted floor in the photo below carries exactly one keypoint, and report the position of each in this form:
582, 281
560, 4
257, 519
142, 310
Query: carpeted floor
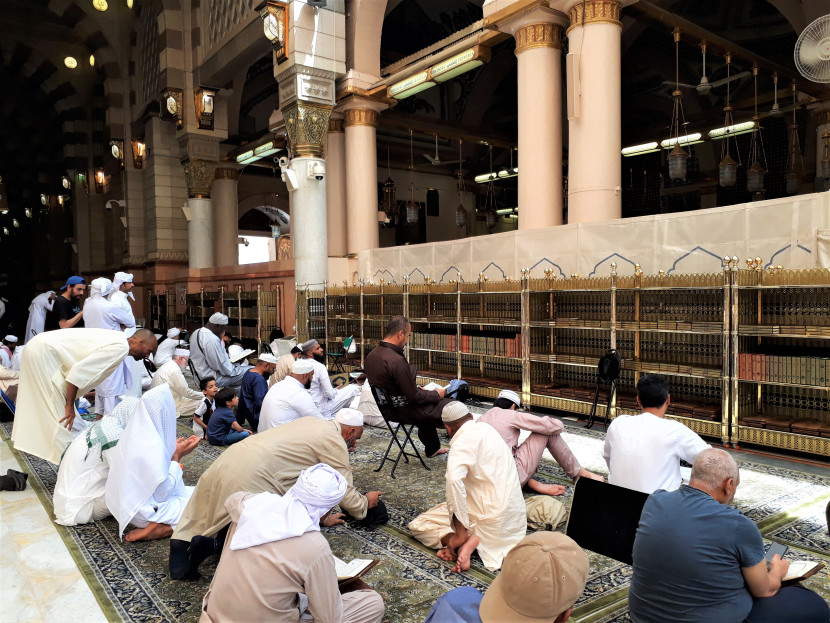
131, 582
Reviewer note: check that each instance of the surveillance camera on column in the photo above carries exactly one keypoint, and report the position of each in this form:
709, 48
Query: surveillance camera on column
316, 171
282, 161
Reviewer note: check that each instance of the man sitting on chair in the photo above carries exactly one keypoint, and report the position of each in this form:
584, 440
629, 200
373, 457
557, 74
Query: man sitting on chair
328, 399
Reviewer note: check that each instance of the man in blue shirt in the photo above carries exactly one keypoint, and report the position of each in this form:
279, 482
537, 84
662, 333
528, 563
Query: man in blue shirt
696, 558
253, 390
223, 429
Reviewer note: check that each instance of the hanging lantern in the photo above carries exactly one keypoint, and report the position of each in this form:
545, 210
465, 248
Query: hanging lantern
16, 223
824, 165
389, 198
6, 231
755, 177
792, 182
411, 213
28, 212
460, 216
44, 199
677, 163
727, 172
491, 218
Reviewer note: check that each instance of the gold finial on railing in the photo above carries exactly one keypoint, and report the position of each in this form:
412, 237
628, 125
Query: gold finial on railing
726, 259
637, 269
613, 268
480, 276
662, 273
574, 275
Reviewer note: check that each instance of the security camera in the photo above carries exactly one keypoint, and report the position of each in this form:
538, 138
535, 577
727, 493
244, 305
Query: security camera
289, 176
316, 171
282, 161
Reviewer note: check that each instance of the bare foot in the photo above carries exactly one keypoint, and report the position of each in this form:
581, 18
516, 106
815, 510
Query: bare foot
538, 487
440, 451
584, 473
151, 532
446, 554
464, 553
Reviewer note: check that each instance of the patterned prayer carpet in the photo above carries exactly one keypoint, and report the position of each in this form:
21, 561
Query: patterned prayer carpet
131, 583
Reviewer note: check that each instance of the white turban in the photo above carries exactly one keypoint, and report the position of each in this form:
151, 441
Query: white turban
349, 417
11, 338
453, 411
302, 366
268, 517
217, 318
511, 396
100, 287
181, 352
173, 332
267, 358
122, 278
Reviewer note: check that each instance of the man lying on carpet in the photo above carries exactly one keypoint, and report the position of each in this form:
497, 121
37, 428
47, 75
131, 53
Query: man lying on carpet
79, 496
543, 577
485, 509
267, 462
144, 486
276, 564
545, 432
696, 558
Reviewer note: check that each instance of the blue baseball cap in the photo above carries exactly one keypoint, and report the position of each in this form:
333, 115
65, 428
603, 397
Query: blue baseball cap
73, 281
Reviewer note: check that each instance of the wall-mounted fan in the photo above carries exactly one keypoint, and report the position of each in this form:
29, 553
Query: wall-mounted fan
812, 51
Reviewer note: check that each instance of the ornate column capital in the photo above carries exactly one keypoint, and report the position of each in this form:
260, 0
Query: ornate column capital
545, 35
595, 12
226, 173
306, 124
198, 175
335, 126
360, 116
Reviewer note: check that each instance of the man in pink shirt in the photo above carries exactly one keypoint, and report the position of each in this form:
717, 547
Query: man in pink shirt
544, 433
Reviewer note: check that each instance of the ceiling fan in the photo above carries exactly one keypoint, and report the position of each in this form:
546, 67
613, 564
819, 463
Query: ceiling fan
436, 161
704, 86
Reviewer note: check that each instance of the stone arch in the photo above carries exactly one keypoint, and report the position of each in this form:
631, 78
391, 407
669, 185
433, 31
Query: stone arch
364, 24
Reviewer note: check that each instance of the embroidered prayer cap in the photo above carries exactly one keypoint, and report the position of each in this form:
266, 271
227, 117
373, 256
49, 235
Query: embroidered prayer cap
453, 411
10, 338
302, 366
267, 358
73, 281
511, 396
174, 332
217, 318
181, 352
307, 346
541, 577
349, 417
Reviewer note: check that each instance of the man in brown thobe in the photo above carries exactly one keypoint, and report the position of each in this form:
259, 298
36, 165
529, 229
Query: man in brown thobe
387, 368
272, 462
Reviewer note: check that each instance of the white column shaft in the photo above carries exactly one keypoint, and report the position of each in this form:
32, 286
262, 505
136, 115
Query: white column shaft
308, 215
200, 233
336, 194
361, 188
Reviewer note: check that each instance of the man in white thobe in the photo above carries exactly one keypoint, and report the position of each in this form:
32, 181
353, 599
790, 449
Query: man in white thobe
166, 347
100, 313
145, 486
485, 509
210, 357
328, 399
56, 368
79, 491
120, 295
187, 400
8, 348
37, 314
289, 399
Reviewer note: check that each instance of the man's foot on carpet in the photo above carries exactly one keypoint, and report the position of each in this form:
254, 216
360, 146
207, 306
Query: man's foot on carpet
439, 452
446, 554
584, 473
545, 489
152, 532
464, 554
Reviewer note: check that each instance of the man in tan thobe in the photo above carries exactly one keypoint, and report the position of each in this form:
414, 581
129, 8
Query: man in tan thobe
269, 461
284, 364
276, 564
56, 368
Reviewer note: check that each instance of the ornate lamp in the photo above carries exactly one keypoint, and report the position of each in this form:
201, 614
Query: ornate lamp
171, 105
411, 208
389, 190
100, 180
677, 156
139, 149
117, 150
275, 27
204, 97
728, 167
824, 165
756, 170
65, 182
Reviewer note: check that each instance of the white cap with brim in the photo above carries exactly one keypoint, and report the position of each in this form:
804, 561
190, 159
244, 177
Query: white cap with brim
511, 396
453, 411
217, 318
267, 358
302, 366
349, 417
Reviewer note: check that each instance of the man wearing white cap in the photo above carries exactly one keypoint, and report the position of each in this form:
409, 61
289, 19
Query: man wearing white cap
37, 314
289, 399
485, 509
210, 357
253, 390
269, 461
167, 346
545, 433
276, 564
328, 399
187, 400
7, 349
100, 313
543, 577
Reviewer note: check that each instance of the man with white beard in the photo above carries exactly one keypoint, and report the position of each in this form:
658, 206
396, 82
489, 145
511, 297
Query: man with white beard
187, 400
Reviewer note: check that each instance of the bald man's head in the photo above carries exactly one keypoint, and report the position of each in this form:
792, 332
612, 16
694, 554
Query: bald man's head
142, 343
716, 473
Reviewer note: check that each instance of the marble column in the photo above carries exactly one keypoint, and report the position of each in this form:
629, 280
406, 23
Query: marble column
225, 217
360, 123
336, 188
199, 177
538, 54
594, 191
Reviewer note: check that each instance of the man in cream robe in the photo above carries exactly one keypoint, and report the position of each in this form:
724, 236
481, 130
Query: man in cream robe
484, 507
56, 368
187, 400
37, 314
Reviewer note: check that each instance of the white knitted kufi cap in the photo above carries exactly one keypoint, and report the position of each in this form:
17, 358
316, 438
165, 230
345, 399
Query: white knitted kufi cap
181, 352
11, 338
349, 417
302, 366
453, 411
218, 318
267, 358
511, 396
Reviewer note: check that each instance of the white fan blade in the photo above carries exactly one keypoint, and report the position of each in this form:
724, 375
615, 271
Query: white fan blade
723, 81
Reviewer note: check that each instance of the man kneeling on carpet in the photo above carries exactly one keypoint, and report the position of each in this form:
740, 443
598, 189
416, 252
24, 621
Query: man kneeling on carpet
276, 564
543, 577
144, 487
271, 462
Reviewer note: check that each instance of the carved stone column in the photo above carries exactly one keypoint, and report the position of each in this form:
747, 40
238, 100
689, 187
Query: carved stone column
336, 187
360, 123
199, 176
225, 217
594, 192
306, 124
